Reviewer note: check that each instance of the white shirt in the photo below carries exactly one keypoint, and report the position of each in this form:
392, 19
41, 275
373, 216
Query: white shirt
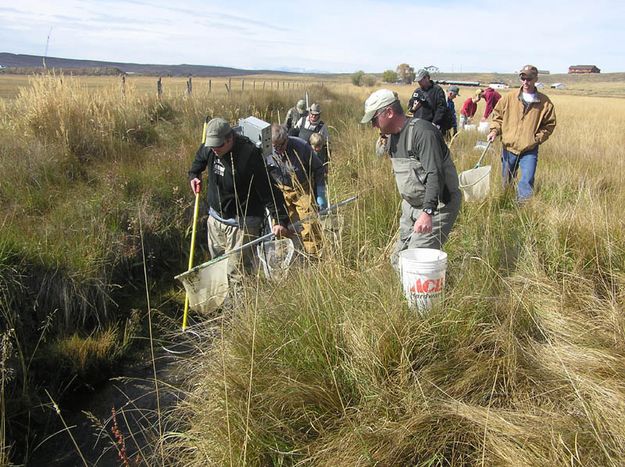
530, 97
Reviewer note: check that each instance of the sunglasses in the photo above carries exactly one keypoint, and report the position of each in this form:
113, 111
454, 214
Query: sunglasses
374, 120
525, 78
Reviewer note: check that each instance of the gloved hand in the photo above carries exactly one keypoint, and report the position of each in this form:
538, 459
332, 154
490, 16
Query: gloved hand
322, 199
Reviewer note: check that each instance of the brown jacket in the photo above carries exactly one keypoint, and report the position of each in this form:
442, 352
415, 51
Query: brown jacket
520, 129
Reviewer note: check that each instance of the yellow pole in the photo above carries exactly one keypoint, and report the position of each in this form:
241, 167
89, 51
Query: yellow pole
196, 210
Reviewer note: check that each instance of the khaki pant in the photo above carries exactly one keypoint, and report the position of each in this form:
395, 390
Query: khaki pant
223, 238
299, 204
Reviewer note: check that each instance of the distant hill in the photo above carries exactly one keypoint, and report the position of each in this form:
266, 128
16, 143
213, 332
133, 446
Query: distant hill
31, 63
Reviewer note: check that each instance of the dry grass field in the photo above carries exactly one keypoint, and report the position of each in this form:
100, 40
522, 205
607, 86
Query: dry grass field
522, 364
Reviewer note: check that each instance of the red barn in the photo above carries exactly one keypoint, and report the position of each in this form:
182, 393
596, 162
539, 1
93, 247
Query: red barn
584, 69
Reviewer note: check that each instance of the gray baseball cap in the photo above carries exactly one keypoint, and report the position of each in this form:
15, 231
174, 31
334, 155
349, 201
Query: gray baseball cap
376, 101
301, 105
216, 131
315, 109
455, 89
422, 73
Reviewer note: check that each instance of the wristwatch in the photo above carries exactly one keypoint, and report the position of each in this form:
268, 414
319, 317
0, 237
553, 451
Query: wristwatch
429, 211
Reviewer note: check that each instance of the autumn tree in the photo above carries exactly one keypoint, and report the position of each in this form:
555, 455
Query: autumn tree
405, 73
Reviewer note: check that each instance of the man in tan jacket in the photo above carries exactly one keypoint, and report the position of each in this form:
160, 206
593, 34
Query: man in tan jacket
524, 119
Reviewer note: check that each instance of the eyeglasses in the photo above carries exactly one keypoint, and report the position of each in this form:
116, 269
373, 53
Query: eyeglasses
374, 120
525, 78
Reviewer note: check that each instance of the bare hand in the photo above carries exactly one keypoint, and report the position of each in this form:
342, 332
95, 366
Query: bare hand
423, 224
196, 185
280, 231
491, 136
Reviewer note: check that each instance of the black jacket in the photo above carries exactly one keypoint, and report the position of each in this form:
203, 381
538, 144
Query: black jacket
238, 183
433, 104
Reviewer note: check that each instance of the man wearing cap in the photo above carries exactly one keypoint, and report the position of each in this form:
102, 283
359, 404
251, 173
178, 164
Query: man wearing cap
295, 113
524, 119
424, 173
239, 189
300, 175
469, 108
306, 126
491, 97
453, 92
428, 100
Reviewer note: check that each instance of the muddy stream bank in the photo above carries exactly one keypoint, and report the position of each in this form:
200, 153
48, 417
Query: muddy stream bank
93, 423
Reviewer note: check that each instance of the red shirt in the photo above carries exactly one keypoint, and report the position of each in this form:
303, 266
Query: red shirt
491, 97
468, 108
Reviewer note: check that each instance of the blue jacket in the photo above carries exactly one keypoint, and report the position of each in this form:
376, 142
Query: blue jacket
451, 106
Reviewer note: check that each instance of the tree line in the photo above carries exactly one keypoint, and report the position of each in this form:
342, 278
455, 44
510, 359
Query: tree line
404, 73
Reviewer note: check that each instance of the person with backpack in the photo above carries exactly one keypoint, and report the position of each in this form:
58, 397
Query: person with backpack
239, 191
310, 124
428, 102
424, 173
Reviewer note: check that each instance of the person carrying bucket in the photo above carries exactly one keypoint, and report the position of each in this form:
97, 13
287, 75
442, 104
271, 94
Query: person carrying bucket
239, 189
424, 172
300, 175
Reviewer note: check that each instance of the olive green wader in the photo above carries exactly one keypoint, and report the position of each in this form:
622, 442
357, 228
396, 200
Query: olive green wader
409, 174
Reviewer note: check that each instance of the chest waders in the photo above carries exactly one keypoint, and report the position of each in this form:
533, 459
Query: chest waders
410, 176
411, 180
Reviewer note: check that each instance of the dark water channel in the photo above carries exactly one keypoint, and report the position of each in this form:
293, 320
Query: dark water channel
89, 415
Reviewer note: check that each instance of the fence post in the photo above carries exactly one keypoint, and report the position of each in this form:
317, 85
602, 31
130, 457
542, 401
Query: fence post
242, 85
159, 88
229, 85
123, 85
254, 85
210, 85
189, 86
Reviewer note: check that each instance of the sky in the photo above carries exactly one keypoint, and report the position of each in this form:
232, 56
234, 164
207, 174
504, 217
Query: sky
323, 35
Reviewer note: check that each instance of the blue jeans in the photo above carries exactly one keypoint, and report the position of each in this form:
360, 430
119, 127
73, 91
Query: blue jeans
527, 161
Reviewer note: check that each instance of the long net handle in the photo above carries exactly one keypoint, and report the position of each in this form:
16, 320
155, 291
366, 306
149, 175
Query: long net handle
479, 162
196, 210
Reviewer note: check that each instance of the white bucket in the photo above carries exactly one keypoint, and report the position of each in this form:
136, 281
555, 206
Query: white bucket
470, 127
483, 127
423, 276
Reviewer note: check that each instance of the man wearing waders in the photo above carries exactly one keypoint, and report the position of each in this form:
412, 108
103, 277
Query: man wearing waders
239, 189
299, 173
424, 172
306, 126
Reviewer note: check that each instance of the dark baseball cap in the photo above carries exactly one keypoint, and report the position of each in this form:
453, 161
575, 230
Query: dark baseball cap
216, 131
529, 70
